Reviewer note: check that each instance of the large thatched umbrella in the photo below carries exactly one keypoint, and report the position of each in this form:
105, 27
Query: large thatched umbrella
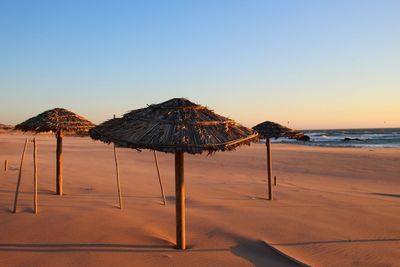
59, 121
268, 130
175, 126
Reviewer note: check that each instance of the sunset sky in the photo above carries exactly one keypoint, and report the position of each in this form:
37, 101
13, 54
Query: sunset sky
306, 64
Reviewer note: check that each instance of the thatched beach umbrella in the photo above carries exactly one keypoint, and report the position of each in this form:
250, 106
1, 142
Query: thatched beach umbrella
58, 121
176, 126
268, 130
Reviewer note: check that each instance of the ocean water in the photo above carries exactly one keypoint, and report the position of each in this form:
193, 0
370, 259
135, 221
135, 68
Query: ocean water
367, 138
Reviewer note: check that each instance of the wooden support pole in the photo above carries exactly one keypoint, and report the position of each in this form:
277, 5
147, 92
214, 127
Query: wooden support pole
269, 169
35, 177
117, 171
159, 178
19, 177
6, 165
180, 201
59, 189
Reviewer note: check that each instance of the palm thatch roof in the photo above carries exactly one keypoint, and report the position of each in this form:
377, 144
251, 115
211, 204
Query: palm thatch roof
269, 129
176, 125
55, 120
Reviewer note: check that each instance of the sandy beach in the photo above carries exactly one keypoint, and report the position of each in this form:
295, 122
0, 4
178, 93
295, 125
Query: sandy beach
332, 207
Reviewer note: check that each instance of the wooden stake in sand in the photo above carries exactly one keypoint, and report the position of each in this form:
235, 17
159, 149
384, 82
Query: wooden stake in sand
35, 180
6, 165
117, 171
59, 189
159, 178
269, 168
180, 201
19, 177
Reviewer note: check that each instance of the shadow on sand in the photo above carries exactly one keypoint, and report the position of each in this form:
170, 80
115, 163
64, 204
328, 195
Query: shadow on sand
253, 251
386, 195
88, 247
260, 255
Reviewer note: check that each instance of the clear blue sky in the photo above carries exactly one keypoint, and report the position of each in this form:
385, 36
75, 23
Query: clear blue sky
316, 64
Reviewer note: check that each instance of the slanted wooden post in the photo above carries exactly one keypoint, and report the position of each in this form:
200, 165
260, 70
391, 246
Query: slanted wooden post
117, 171
159, 178
35, 178
19, 177
180, 201
6, 165
269, 169
59, 189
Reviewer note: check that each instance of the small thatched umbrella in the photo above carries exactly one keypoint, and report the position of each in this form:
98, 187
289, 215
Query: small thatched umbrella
57, 120
268, 130
175, 126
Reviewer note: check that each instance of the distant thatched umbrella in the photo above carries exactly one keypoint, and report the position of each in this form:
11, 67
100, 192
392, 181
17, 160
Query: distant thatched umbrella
175, 126
57, 120
268, 130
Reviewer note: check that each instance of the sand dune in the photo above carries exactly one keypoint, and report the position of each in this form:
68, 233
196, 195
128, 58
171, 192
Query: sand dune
333, 207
